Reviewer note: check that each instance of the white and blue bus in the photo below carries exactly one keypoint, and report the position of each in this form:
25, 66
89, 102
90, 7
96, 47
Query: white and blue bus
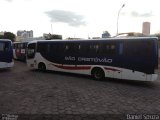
6, 54
134, 58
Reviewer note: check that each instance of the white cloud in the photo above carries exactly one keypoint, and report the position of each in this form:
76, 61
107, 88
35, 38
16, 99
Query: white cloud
67, 17
80, 17
9, 0
136, 14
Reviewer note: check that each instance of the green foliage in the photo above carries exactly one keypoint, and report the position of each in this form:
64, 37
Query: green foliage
1, 36
158, 35
8, 35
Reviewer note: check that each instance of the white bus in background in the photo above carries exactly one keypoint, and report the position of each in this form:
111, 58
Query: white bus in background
19, 50
134, 58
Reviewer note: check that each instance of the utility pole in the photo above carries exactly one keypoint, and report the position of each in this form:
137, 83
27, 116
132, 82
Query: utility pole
118, 16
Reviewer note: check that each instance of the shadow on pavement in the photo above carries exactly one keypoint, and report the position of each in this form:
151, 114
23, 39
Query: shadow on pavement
5, 70
147, 84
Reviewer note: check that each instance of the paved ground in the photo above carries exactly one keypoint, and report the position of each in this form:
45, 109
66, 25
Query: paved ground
25, 91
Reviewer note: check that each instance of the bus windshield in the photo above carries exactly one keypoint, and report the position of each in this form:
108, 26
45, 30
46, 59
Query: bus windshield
2, 45
31, 50
6, 54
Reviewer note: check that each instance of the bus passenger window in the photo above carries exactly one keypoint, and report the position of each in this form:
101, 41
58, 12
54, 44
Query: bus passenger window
76, 48
69, 48
42, 47
53, 49
66, 48
96, 48
148, 48
92, 49
120, 48
109, 49
137, 49
112, 47
83, 48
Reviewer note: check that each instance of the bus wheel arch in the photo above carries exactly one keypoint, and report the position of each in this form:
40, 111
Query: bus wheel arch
41, 66
98, 73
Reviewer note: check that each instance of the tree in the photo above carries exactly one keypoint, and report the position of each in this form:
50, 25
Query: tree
158, 35
9, 35
1, 36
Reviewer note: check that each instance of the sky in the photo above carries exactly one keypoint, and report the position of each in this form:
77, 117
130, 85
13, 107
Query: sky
78, 18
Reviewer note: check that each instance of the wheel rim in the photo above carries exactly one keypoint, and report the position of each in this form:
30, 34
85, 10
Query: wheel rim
42, 67
98, 74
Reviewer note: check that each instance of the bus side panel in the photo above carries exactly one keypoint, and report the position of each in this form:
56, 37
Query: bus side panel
6, 54
133, 59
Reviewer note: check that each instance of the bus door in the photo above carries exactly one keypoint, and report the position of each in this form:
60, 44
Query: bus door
23, 51
117, 49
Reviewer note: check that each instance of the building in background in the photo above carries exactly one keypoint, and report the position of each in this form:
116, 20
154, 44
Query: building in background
51, 36
21, 39
25, 34
96, 37
146, 28
1, 33
74, 38
106, 34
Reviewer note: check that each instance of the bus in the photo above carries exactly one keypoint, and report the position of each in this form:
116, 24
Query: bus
19, 50
132, 58
6, 54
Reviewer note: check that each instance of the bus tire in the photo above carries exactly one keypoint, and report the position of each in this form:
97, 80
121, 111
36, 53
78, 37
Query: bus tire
42, 66
98, 73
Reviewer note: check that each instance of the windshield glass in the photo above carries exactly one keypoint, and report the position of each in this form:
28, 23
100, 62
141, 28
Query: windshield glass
2, 45
31, 50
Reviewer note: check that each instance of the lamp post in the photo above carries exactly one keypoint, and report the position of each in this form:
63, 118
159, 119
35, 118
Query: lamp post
118, 16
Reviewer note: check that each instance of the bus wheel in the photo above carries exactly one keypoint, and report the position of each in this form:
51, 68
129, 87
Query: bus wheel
42, 66
98, 74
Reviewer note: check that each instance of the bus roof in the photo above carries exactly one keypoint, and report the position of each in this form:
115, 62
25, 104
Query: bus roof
19, 42
5, 40
102, 39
